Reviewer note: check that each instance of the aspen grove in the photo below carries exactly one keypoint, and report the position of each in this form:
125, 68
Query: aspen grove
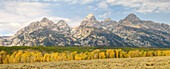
22, 56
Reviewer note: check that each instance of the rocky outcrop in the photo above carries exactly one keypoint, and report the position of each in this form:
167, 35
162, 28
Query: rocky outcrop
143, 33
108, 24
43, 33
128, 32
90, 21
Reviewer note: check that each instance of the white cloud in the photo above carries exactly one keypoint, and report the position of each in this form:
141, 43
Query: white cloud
105, 15
92, 8
103, 4
144, 6
86, 1
16, 15
71, 1
9, 28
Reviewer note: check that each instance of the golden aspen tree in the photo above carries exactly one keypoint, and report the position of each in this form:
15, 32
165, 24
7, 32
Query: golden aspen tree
73, 54
12, 57
42, 59
121, 55
89, 55
47, 57
35, 56
112, 54
6, 60
52, 57
2, 56
63, 57
38, 57
144, 54
157, 53
149, 53
140, 53
56, 56
136, 53
18, 56
102, 55
108, 52
26, 57
84, 55
77, 57
60, 57
92, 55
130, 53
167, 53
128, 56
117, 53
69, 57
23, 58
96, 53
125, 55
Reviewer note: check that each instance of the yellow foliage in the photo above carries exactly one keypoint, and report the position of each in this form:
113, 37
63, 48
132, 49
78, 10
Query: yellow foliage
35, 56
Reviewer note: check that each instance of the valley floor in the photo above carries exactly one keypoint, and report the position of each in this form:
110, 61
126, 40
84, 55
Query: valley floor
161, 62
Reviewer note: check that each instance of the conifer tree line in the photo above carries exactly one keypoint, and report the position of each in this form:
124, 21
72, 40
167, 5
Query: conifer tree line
36, 56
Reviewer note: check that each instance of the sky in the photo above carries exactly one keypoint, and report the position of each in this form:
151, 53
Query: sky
16, 14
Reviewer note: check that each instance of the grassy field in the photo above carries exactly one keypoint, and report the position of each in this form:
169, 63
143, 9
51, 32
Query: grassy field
161, 62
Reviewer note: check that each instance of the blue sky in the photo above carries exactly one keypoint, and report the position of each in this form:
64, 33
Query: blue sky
16, 14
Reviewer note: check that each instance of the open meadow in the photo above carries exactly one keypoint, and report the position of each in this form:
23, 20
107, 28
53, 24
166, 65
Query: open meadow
160, 62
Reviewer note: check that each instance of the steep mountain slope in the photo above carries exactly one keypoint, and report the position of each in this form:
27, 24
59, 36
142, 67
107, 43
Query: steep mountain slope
128, 32
91, 33
133, 21
143, 33
43, 33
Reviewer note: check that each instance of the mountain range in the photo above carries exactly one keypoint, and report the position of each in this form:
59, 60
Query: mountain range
128, 32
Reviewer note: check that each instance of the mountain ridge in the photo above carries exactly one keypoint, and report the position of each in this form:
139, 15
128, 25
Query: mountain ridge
128, 32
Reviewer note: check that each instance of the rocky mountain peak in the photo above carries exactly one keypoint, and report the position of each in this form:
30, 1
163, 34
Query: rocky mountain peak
107, 19
61, 23
90, 21
132, 17
45, 19
63, 26
90, 17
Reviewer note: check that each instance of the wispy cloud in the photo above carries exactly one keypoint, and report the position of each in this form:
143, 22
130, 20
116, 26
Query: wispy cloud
103, 5
105, 15
144, 6
15, 15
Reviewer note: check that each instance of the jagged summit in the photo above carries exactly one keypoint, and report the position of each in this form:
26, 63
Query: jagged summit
62, 23
132, 17
45, 19
90, 17
90, 21
107, 19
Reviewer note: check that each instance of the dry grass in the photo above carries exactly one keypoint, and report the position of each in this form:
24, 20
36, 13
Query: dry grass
161, 62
